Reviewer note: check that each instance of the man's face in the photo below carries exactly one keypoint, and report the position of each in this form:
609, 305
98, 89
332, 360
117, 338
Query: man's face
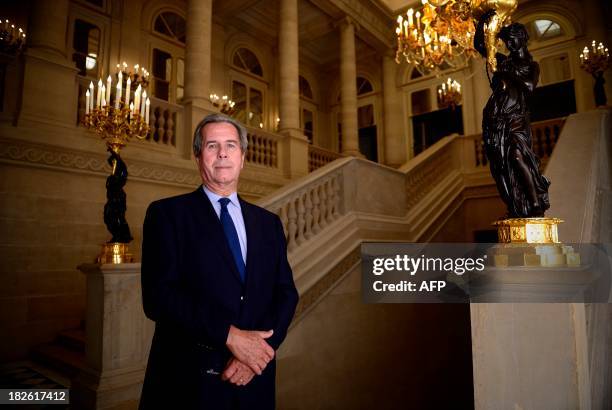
221, 158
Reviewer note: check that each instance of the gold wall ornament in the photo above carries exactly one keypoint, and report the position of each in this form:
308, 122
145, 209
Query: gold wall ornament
503, 11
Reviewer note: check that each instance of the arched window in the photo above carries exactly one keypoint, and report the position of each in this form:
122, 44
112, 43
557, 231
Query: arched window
86, 45
246, 60
248, 92
172, 25
305, 90
168, 57
544, 29
307, 109
364, 86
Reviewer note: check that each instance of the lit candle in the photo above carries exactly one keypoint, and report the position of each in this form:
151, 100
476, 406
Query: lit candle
103, 95
136, 68
87, 102
418, 16
406, 29
99, 94
128, 88
410, 21
109, 82
118, 92
147, 104
91, 91
131, 110
142, 104
137, 97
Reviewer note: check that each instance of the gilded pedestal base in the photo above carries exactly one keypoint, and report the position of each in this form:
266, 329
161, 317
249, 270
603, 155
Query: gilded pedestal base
540, 255
115, 252
531, 242
528, 230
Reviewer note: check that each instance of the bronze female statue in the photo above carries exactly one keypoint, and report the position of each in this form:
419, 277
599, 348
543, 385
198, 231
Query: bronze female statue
506, 129
115, 207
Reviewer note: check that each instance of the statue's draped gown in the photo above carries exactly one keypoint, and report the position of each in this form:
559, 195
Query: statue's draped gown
506, 129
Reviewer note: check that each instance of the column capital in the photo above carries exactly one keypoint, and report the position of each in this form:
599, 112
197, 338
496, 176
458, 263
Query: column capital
345, 22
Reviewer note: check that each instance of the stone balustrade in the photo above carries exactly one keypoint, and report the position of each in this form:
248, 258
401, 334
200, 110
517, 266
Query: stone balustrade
263, 148
544, 136
165, 121
317, 157
306, 211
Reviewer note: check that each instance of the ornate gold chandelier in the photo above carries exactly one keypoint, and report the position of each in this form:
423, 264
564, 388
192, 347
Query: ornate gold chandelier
440, 32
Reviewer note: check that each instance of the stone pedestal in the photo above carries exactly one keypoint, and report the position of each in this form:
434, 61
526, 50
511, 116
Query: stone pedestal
295, 152
118, 338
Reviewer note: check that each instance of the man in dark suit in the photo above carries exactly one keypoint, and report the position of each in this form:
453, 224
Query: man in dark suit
216, 281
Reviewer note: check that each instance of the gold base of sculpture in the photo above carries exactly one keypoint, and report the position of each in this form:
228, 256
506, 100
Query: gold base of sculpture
531, 242
528, 230
116, 253
536, 255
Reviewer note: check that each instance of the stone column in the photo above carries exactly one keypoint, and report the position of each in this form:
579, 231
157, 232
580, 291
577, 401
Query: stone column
198, 51
395, 141
481, 91
348, 89
118, 339
49, 79
295, 144
289, 102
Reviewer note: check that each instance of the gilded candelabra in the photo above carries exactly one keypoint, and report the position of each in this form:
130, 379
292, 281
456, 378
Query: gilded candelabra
595, 62
117, 122
223, 104
449, 94
12, 38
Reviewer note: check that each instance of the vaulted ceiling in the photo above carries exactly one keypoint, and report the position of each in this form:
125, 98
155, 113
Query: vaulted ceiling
318, 34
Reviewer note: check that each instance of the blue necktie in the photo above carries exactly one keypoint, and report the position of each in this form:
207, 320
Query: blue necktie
232, 236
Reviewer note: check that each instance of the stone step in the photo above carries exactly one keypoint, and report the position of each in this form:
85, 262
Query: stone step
73, 339
62, 359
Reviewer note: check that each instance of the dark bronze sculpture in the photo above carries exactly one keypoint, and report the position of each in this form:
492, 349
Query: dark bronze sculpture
116, 204
506, 129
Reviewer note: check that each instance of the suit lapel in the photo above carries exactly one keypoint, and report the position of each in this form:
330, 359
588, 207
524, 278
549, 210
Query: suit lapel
210, 222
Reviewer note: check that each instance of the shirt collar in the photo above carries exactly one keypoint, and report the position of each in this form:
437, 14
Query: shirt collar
214, 198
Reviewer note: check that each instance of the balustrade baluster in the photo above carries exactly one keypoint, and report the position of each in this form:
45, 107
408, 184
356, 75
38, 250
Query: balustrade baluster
159, 125
308, 215
547, 132
330, 201
336, 196
316, 211
284, 220
301, 221
268, 144
323, 199
292, 226
168, 127
273, 154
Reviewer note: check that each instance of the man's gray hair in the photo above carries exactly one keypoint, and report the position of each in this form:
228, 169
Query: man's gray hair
213, 118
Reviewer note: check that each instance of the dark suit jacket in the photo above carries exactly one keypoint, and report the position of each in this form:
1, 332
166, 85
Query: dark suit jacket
191, 288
